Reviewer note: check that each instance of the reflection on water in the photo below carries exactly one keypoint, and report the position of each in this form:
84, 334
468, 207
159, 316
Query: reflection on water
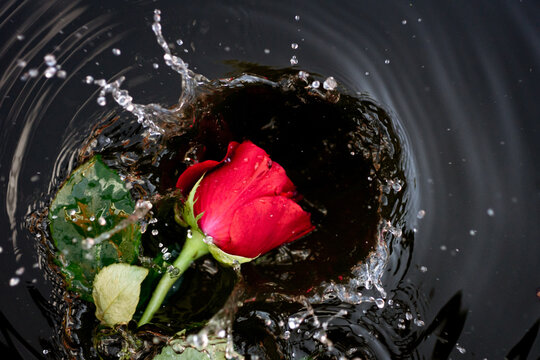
460, 82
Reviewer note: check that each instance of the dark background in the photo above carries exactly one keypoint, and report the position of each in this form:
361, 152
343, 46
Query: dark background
461, 77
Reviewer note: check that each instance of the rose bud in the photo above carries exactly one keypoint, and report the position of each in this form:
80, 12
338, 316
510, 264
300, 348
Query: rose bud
245, 204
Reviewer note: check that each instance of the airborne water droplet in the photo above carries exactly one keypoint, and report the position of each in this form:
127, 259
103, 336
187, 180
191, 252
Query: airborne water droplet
116, 51
14, 281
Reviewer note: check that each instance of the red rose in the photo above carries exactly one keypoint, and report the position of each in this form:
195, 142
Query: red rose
247, 202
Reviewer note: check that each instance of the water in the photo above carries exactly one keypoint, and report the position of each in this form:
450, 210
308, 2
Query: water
460, 79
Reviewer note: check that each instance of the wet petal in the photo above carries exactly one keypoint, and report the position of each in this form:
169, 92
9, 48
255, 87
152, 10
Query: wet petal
265, 223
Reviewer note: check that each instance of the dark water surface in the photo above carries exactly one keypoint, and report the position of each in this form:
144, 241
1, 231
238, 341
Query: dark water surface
461, 79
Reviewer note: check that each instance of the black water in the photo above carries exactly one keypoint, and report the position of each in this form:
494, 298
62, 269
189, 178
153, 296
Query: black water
461, 79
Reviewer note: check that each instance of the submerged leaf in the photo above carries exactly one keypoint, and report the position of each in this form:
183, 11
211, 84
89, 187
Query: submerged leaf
92, 201
116, 292
217, 352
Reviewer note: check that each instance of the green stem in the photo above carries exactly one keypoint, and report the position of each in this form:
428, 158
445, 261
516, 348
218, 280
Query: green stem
193, 249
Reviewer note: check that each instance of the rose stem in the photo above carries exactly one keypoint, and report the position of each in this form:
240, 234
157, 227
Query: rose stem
193, 249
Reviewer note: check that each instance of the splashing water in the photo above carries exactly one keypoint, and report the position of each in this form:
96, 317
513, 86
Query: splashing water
365, 281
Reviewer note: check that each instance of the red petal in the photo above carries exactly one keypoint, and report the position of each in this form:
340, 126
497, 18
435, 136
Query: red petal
192, 174
249, 174
266, 223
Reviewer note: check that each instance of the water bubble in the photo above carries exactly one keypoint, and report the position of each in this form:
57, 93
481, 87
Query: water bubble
421, 214
294, 322
50, 72
267, 51
116, 51
49, 59
330, 83
294, 60
315, 84
20, 271
490, 212
294, 46
387, 61
14, 281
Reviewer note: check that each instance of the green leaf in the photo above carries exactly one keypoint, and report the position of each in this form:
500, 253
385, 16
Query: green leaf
116, 292
92, 201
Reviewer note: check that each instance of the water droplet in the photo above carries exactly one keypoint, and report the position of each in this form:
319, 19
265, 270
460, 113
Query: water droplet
387, 61
155, 65
294, 322
294, 60
419, 19
330, 83
101, 101
20, 37
286, 334
379, 302
315, 84
294, 46
490, 212
116, 51
267, 51
366, 73
179, 42
443, 247
14, 281
89, 79
155, 232
418, 322
167, 256
102, 221
460, 349
49, 72
49, 59
33, 73
297, 17
45, 352
61, 74
19, 271
1, 249
472, 232
404, 22
421, 214
423, 269
21, 63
